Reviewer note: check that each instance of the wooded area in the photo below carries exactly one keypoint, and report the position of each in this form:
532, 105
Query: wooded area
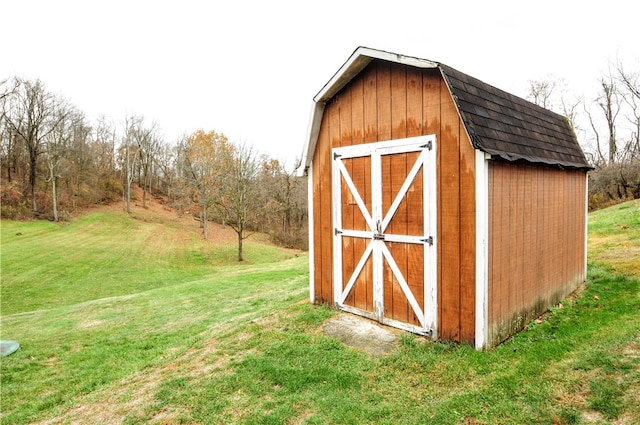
608, 128
55, 163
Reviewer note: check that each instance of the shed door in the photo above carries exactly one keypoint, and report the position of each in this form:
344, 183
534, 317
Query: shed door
384, 197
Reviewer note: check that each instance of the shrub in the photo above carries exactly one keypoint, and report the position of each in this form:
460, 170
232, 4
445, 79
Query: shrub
12, 202
614, 183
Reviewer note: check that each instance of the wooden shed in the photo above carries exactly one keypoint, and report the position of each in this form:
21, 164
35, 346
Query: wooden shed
439, 204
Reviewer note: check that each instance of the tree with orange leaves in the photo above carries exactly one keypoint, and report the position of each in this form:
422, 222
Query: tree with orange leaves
204, 155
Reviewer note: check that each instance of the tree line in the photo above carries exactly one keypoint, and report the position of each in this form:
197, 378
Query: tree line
55, 162
608, 128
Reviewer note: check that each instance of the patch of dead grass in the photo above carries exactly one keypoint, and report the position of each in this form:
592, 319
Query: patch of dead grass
87, 324
618, 245
577, 398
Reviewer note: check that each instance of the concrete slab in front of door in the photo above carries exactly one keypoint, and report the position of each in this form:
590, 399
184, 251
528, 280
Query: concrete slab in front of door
362, 333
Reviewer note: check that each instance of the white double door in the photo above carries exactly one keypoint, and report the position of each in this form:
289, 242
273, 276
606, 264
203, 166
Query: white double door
385, 245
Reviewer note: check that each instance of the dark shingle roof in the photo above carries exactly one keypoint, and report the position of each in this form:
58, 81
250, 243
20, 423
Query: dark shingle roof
510, 127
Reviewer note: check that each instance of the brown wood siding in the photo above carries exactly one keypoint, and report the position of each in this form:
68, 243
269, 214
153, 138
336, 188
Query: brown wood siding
536, 242
456, 213
389, 101
322, 224
467, 226
449, 223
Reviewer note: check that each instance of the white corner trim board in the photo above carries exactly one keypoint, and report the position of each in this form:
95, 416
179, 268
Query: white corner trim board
482, 249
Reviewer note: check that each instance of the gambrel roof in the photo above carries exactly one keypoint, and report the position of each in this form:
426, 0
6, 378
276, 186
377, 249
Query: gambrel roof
498, 123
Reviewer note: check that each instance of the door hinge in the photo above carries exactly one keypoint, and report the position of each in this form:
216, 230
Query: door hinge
428, 145
336, 156
337, 232
428, 240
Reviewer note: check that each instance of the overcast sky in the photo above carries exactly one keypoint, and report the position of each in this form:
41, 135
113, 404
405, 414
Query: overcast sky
250, 69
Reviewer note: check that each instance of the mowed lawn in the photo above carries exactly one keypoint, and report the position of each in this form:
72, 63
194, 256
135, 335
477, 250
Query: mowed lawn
135, 319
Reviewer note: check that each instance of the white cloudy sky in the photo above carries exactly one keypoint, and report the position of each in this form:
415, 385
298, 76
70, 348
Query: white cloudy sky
250, 69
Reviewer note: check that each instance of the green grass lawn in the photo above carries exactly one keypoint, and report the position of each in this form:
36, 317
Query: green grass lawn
135, 321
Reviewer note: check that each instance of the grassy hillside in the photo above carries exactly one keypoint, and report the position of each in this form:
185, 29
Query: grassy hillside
109, 253
137, 320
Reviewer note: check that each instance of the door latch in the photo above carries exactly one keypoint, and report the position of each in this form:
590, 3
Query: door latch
378, 235
428, 240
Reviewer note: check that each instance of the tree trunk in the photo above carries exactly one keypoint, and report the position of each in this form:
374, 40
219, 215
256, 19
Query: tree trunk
146, 185
54, 194
205, 236
613, 148
128, 178
128, 195
32, 179
240, 253
9, 169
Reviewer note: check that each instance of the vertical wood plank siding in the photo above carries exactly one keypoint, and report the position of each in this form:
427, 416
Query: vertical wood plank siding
536, 242
391, 101
322, 226
358, 171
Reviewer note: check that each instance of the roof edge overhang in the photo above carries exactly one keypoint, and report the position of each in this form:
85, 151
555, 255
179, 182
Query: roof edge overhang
358, 60
501, 156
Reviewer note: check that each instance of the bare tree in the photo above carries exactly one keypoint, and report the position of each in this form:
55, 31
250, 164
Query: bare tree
631, 96
284, 195
56, 145
129, 155
6, 138
103, 161
569, 109
29, 114
541, 92
137, 152
148, 143
166, 160
105, 144
600, 161
82, 181
9, 152
609, 102
237, 194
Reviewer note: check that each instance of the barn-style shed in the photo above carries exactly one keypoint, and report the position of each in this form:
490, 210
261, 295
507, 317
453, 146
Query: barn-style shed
438, 203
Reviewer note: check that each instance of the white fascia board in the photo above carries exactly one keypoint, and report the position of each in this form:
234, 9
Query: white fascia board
358, 60
315, 119
350, 69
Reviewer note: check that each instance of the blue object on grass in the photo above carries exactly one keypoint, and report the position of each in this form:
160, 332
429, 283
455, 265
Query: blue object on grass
8, 347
